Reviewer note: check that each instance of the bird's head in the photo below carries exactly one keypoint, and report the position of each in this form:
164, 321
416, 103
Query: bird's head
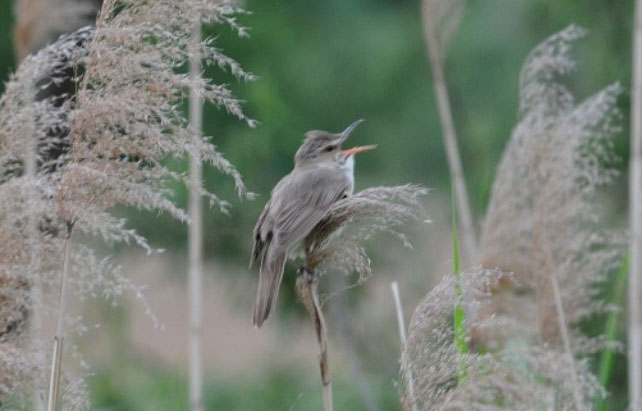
323, 146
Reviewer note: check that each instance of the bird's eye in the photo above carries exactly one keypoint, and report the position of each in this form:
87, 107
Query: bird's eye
330, 148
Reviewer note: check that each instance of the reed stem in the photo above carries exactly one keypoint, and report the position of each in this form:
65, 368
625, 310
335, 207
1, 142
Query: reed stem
308, 294
435, 57
402, 336
635, 216
56, 360
195, 286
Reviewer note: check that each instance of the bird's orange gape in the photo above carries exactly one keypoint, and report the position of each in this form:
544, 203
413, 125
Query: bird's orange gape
359, 149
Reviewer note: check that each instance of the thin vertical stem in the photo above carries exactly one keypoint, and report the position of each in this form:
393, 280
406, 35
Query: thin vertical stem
306, 287
322, 339
635, 216
195, 235
540, 238
561, 318
607, 357
469, 242
34, 265
56, 361
36, 327
402, 336
459, 328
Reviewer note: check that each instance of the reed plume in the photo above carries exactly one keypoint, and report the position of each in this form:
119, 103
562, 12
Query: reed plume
516, 375
121, 125
543, 220
32, 128
543, 255
336, 244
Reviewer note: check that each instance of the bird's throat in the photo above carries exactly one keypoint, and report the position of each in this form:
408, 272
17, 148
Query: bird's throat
348, 169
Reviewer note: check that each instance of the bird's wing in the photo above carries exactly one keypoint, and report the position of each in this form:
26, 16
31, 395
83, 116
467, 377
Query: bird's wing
303, 201
259, 241
298, 202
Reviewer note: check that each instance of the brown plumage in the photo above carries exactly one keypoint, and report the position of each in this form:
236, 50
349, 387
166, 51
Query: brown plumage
322, 175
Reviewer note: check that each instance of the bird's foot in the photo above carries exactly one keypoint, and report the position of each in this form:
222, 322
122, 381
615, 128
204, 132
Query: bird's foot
308, 274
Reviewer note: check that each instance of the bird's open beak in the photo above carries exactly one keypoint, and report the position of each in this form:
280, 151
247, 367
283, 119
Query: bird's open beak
345, 133
355, 150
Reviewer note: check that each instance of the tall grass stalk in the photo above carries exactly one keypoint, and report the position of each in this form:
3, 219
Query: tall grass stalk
561, 318
34, 28
635, 216
36, 288
195, 235
56, 362
402, 336
458, 318
610, 330
36, 291
435, 56
541, 240
307, 290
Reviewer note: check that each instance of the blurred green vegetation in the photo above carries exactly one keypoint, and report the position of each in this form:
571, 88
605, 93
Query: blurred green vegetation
121, 387
321, 66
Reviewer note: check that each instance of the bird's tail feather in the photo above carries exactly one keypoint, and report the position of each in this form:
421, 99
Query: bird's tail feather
269, 282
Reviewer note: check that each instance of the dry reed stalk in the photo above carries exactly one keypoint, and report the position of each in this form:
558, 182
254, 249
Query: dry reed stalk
56, 362
36, 287
39, 22
434, 15
195, 236
635, 216
561, 318
306, 287
402, 336
27, 222
34, 258
540, 239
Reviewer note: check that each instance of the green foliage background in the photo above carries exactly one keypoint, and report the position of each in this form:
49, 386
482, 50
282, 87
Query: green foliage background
324, 64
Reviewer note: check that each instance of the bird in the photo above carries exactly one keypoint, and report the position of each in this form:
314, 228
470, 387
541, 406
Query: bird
323, 174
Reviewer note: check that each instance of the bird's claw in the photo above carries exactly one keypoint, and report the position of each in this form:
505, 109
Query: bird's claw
308, 275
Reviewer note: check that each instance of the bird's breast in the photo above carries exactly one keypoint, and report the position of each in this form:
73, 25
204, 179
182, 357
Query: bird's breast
348, 171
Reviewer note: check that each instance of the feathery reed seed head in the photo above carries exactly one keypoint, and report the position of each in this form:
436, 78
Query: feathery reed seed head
336, 243
542, 231
67, 159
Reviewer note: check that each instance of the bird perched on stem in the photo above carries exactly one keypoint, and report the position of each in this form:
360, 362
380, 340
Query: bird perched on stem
323, 174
